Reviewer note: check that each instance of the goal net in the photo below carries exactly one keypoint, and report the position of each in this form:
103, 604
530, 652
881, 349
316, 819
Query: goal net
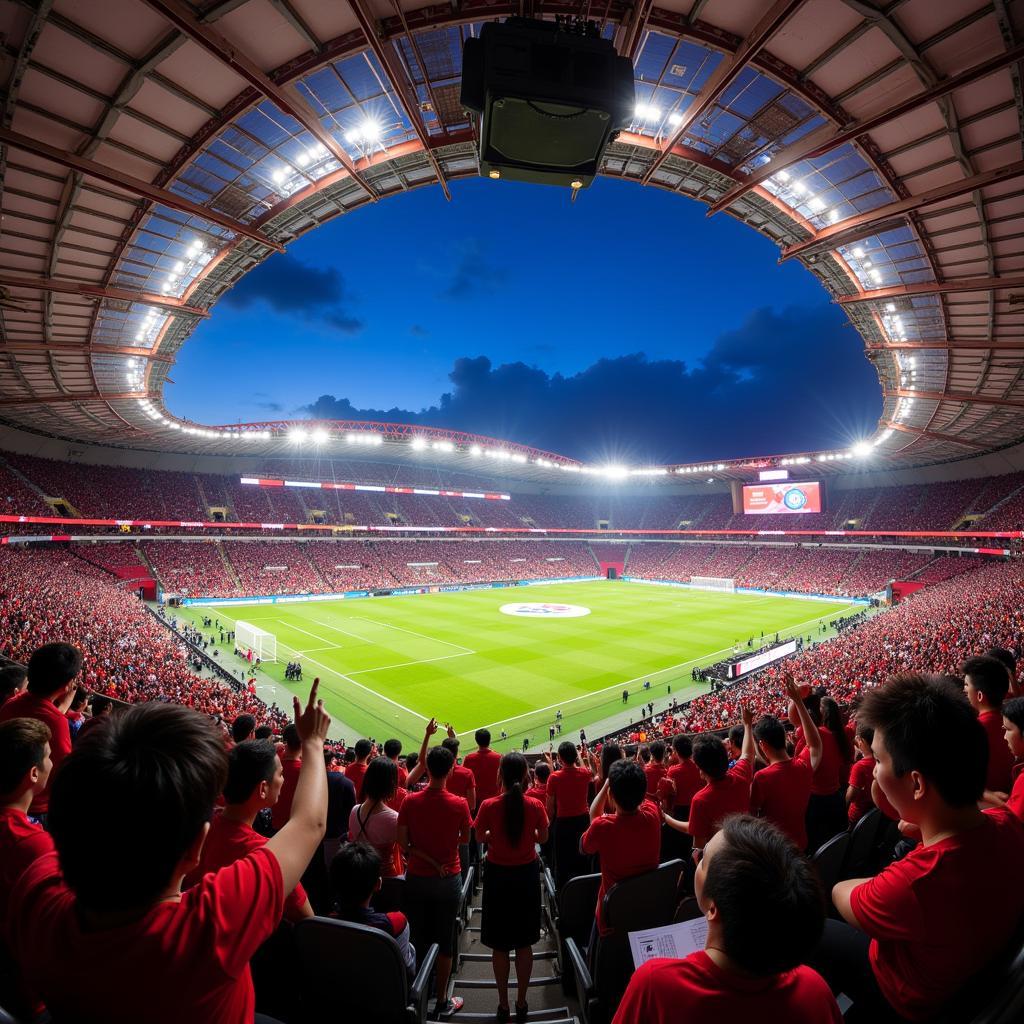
712, 583
251, 638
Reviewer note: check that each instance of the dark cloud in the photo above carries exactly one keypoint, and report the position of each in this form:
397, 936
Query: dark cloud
784, 381
418, 331
473, 273
270, 406
293, 288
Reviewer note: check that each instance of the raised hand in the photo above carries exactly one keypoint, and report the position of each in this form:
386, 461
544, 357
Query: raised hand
431, 728
312, 721
746, 715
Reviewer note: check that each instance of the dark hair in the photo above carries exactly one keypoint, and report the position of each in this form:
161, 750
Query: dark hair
249, 764
22, 746
353, 875
263, 732
381, 780
988, 677
330, 757
567, 752
452, 744
644, 753
710, 756
513, 774
363, 748
242, 726
542, 770
52, 667
813, 704
411, 760
929, 729
865, 732
290, 735
736, 736
439, 762
392, 748
628, 784
658, 750
610, 753
683, 745
482, 737
1013, 711
80, 698
758, 880
131, 798
832, 719
1002, 655
100, 704
771, 732
11, 678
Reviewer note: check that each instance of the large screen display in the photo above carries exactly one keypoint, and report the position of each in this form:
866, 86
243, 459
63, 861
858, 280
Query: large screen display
756, 661
774, 499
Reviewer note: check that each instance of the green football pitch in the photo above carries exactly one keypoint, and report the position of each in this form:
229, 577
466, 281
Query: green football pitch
387, 665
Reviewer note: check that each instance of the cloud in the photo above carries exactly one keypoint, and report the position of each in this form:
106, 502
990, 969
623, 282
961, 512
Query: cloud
786, 380
270, 406
294, 288
418, 331
473, 273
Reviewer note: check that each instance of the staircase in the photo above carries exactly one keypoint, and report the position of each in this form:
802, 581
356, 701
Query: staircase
228, 567
149, 565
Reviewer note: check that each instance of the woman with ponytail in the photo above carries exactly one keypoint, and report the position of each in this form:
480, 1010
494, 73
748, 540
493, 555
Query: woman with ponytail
511, 824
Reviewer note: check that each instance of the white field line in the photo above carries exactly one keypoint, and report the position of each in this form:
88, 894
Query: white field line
626, 683
338, 629
314, 650
341, 675
413, 632
322, 639
404, 664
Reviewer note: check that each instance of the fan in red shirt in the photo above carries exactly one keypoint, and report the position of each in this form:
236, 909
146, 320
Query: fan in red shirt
826, 810
179, 956
655, 769
751, 882
290, 753
13, 679
986, 683
675, 791
52, 671
627, 842
483, 763
916, 923
569, 812
357, 769
858, 792
727, 790
539, 789
393, 751
1013, 730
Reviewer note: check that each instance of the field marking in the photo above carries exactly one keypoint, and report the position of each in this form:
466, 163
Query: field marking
289, 625
338, 629
646, 675
422, 661
422, 636
314, 650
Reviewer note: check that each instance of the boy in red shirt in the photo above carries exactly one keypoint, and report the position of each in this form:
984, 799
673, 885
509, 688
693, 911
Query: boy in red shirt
290, 752
569, 812
655, 769
727, 790
432, 825
627, 842
179, 956
986, 683
52, 671
858, 792
393, 751
1013, 730
912, 937
357, 769
675, 791
483, 763
751, 882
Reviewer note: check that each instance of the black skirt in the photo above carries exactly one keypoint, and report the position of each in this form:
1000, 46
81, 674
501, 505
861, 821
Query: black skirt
510, 906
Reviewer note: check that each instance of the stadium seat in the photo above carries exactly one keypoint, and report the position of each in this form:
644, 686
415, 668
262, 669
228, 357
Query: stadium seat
390, 896
862, 853
338, 960
576, 905
828, 861
644, 901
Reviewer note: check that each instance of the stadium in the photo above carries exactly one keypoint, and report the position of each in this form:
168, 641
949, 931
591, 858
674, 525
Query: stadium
725, 735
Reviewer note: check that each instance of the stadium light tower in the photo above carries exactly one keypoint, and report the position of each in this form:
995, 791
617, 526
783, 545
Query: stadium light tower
297, 435
862, 448
320, 436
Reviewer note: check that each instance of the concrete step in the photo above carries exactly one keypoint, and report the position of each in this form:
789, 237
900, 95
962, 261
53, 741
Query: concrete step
535, 981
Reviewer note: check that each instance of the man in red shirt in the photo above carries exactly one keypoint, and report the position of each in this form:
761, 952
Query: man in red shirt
862, 774
393, 751
912, 937
1013, 730
627, 842
432, 824
483, 763
780, 792
655, 769
727, 790
986, 683
102, 708
750, 882
569, 812
52, 671
179, 956
357, 769
13, 679
826, 810
290, 752
675, 791
539, 789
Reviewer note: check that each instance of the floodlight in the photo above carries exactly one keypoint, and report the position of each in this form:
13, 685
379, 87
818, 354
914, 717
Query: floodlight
675, 119
833, 216
646, 112
418, 444
799, 188
297, 435
279, 176
783, 176
859, 253
816, 204
475, 449
862, 448
320, 436
876, 276
303, 159
615, 472
890, 307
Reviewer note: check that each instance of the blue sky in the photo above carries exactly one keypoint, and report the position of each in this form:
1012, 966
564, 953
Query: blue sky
627, 324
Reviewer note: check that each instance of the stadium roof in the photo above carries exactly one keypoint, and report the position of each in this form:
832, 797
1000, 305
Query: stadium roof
154, 151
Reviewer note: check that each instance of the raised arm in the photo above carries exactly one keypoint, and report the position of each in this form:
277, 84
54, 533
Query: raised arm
597, 805
748, 750
421, 763
811, 735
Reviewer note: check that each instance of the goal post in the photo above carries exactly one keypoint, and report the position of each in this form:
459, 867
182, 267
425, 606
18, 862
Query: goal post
262, 643
713, 583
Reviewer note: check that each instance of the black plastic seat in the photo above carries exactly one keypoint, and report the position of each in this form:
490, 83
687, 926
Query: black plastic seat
828, 861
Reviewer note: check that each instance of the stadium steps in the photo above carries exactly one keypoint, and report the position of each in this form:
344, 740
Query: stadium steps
149, 565
228, 567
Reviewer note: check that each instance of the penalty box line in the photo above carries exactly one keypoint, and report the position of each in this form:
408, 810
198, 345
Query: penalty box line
628, 682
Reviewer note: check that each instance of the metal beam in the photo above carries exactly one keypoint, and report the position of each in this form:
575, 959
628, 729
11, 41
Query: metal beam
725, 74
184, 20
829, 137
633, 33
84, 396
91, 291
85, 350
883, 217
971, 284
947, 344
385, 53
932, 435
955, 396
134, 186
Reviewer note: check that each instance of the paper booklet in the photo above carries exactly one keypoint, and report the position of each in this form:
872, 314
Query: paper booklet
673, 940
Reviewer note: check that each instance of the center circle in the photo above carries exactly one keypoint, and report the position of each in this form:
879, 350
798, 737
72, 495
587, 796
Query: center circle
544, 610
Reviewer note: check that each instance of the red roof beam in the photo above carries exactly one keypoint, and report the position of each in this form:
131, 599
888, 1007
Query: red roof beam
968, 284
84, 396
947, 344
953, 396
86, 350
932, 435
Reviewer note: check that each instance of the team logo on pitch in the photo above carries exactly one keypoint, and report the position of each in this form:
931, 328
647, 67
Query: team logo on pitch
543, 610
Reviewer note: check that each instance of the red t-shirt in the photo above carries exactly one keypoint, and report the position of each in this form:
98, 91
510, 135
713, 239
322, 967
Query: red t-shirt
21, 843
282, 810
354, 773
681, 782
861, 775
28, 705
1016, 801
698, 991
484, 766
229, 841
1000, 760
655, 773
435, 819
628, 845
186, 960
942, 912
395, 803
491, 819
828, 776
570, 787
780, 793
540, 792
403, 775
717, 800
460, 781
